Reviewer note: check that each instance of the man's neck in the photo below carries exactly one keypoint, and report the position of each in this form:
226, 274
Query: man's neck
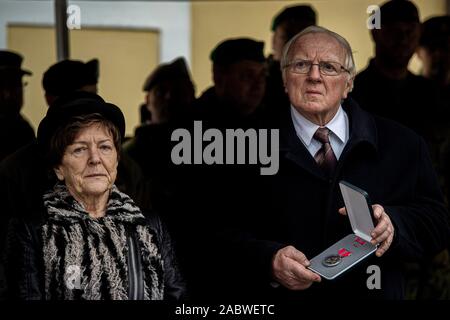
320, 119
389, 71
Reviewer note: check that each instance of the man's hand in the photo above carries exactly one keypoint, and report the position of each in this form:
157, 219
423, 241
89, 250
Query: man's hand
384, 229
289, 269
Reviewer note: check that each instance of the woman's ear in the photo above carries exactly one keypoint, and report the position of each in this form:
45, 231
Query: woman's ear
59, 174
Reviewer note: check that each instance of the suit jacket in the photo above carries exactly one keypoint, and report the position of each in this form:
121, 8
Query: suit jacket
299, 206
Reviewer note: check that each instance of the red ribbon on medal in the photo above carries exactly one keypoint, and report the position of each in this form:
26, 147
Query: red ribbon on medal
344, 253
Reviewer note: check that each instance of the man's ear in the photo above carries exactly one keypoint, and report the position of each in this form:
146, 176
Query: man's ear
59, 174
217, 75
219, 78
283, 77
348, 87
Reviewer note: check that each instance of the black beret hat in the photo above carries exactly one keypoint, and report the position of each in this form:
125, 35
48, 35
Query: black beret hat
295, 13
234, 50
168, 71
77, 103
398, 11
69, 75
436, 32
12, 61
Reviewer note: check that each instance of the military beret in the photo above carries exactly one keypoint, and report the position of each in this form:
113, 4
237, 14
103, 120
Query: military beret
70, 75
398, 11
234, 50
302, 13
173, 70
12, 61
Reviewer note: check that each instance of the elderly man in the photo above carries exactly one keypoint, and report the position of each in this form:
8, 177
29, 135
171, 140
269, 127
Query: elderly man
326, 137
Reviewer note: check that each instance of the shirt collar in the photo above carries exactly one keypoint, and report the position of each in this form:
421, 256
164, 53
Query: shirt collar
305, 129
337, 125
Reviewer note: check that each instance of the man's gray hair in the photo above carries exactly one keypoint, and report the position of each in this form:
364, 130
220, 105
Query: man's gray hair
349, 62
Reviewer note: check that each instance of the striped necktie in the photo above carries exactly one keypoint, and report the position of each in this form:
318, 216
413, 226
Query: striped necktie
325, 157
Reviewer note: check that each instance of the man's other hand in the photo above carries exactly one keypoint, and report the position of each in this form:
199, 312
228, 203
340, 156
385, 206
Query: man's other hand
289, 269
383, 234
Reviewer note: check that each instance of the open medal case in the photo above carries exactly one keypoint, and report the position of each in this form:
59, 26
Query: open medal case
353, 248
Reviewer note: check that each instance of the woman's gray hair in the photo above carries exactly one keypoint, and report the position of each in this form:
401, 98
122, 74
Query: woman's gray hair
349, 62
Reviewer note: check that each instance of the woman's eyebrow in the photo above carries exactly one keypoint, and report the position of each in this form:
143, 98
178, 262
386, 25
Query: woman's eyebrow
105, 140
87, 142
79, 142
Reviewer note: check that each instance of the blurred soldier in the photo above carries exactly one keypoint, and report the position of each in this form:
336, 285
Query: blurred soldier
15, 131
170, 94
434, 51
386, 87
239, 73
285, 25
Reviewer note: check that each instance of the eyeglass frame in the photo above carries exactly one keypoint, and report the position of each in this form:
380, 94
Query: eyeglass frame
318, 65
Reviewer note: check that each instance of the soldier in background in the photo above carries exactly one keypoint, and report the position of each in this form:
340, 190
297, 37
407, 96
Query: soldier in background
286, 24
434, 52
15, 131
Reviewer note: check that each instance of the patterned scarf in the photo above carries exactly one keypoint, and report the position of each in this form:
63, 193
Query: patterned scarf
87, 258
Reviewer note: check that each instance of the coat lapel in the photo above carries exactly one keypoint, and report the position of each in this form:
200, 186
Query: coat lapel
362, 132
293, 149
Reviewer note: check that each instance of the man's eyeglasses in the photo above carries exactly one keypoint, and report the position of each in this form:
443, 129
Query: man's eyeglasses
327, 68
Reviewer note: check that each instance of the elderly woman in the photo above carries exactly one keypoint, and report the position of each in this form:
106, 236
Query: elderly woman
93, 242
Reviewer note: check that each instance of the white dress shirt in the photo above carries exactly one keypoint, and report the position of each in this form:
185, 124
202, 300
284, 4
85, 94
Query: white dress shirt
338, 126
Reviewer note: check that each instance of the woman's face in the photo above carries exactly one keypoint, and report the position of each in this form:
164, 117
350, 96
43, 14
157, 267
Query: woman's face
89, 164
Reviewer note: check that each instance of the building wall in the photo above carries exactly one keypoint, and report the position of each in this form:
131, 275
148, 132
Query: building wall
126, 58
214, 21
170, 19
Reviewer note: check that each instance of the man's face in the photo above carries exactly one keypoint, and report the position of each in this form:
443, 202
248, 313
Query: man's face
11, 92
243, 84
436, 62
170, 98
314, 94
397, 42
279, 39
